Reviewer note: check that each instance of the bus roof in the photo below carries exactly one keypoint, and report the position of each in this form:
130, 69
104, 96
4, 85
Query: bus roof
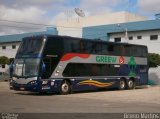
76, 38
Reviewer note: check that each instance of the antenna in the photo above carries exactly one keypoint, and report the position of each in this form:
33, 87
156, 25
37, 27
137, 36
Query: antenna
79, 12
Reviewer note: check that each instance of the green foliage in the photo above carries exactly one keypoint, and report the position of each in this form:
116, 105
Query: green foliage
4, 60
154, 60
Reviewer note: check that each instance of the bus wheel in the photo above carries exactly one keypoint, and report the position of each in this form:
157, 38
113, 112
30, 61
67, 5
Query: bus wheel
131, 84
65, 88
122, 84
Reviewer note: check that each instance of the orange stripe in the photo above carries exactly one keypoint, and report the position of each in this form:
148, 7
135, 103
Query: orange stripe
95, 83
72, 55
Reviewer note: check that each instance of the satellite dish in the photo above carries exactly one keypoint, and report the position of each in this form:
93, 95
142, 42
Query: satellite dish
79, 12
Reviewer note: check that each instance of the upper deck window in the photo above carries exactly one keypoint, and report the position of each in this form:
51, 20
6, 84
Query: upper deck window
31, 46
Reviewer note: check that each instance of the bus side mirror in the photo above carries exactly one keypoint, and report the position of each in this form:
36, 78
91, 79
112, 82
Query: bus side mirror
11, 70
43, 67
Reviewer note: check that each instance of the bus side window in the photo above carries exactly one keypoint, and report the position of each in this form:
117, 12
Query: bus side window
75, 46
104, 49
110, 49
81, 46
127, 50
117, 50
144, 52
99, 48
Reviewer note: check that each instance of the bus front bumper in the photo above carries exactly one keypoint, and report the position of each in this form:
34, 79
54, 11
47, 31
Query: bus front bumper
42, 86
23, 87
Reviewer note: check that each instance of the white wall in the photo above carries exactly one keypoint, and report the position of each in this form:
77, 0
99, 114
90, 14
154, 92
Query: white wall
153, 45
4, 69
9, 51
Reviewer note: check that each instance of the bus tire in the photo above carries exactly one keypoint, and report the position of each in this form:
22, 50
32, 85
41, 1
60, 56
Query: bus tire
65, 88
122, 84
130, 84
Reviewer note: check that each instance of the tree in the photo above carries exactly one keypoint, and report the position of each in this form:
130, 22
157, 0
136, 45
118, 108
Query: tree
4, 60
154, 60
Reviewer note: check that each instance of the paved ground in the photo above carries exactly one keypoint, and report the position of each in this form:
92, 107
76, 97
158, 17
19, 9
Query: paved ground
146, 99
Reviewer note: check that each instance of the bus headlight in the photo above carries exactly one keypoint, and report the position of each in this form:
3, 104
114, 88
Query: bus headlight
52, 82
12, 81
57, 73
32, 82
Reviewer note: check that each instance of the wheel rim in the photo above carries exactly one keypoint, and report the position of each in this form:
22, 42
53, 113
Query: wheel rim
65, 87
130, 84
122, 84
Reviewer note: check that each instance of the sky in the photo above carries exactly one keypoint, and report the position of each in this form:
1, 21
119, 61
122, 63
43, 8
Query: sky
19, 16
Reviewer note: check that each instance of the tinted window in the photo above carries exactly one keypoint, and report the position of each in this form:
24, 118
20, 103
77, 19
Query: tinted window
137, 51
90, 47
71, 45
117, 50
114, 49
103, 48
53, 51
75, 47
82, 46
77, 69
98, 47
31, 46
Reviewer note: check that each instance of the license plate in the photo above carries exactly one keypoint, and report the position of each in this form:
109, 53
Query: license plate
45, 87
22, 88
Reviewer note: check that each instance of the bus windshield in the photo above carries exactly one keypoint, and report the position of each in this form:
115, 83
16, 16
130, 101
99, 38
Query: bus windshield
31, 46
26, 67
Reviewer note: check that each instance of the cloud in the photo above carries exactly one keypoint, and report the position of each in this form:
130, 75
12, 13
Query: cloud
58, 17
20, 4
28, 14
101, 6
48, 11
34, 11
149, 6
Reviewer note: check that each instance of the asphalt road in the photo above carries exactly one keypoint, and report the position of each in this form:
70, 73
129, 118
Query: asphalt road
146, 99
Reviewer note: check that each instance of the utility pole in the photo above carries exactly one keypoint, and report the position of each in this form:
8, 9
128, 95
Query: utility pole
126, 35
125, 32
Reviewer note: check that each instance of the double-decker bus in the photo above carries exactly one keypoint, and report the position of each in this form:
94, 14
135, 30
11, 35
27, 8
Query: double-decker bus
49, 63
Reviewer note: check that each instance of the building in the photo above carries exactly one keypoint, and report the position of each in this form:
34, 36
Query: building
74, 26
140, 32
9, 43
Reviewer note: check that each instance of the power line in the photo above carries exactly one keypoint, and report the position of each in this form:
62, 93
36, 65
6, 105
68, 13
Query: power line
19, 22
20, 26
51, 25
37, 24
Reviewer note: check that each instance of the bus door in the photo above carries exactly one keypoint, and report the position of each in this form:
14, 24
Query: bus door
47, 67
50, 62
